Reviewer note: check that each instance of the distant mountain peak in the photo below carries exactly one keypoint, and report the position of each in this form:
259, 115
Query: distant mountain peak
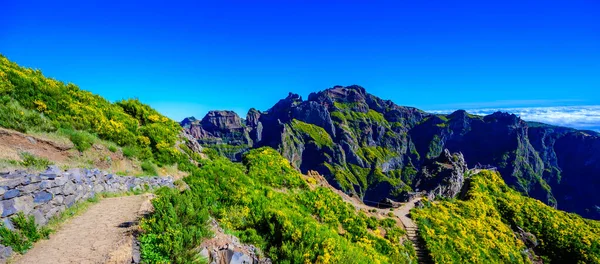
376, 149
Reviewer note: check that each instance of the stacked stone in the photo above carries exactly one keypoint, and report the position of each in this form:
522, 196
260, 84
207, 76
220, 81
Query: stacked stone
48, 193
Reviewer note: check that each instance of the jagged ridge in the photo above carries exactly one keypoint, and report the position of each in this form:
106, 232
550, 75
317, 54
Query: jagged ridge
376, 149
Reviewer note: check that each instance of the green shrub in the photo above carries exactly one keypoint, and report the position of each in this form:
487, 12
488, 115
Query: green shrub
31, 161
481, 227
211, 153
149, 168
387, 222
112, 148
178, 224
137, 152
25, 234
82, 140
30, 101
14, 116
129, 151
266, 202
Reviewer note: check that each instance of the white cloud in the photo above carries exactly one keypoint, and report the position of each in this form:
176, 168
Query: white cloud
580, 117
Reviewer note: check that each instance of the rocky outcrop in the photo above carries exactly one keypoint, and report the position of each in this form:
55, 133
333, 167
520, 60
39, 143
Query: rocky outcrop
218, 127
224, 130
442, 176
190, 142
44, 195
189, 122
530, 242
380, 149
226, 249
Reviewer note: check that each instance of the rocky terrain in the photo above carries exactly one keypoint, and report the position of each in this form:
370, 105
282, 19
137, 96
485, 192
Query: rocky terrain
226, 248
376, 149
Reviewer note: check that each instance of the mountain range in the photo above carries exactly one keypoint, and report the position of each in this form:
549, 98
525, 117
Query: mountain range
377, 150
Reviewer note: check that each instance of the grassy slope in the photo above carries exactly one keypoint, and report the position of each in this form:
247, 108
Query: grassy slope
480, 227
266, 202
33, 103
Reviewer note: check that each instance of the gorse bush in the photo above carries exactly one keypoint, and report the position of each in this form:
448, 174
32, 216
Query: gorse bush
31, 101
112, 148
266, 202
149, 168
31, 161
82, 140
14, 116
481, 228
25, 234
179, 222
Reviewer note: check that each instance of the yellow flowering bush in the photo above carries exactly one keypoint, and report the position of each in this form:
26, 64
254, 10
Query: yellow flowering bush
481, 228
127, 122
264, 201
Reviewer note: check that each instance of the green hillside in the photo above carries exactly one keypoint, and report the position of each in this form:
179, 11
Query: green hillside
30, 102
481, 227
266, 202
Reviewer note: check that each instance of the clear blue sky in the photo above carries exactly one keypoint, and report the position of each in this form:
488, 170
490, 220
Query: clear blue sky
185, 58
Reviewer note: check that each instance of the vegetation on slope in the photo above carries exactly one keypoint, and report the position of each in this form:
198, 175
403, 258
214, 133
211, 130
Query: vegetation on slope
480, 227
356, 125
266, 202
315, 133
30, 102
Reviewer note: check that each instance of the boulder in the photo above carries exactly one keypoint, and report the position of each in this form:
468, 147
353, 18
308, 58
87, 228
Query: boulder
60, 180
51, 172
11, 182
40, 218
42, 197
75, 175
19, 204
69, 200
29, 188
6, 222
241, 258
69, 188
11, 194
5, 252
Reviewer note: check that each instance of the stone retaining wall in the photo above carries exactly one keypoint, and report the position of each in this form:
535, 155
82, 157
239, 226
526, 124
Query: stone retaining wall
48, 193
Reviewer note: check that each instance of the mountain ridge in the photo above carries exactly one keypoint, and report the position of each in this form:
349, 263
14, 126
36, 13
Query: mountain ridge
376, 149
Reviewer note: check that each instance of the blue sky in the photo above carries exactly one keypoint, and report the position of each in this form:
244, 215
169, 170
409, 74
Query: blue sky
185, 58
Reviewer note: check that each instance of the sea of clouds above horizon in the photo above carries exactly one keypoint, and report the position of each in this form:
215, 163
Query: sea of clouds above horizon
579, 117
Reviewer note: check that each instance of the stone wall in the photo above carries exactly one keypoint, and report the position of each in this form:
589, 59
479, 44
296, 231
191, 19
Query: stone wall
46, 194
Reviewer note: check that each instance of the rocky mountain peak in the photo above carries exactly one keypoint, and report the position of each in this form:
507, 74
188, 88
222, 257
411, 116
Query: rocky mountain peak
252, 117
354, 94
221, 120
189, 121
376, 149
504, 118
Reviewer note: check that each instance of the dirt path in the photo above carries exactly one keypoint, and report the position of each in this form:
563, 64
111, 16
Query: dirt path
412, 230
102, 234
403, 213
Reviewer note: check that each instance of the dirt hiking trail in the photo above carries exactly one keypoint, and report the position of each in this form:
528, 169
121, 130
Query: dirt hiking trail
102, 234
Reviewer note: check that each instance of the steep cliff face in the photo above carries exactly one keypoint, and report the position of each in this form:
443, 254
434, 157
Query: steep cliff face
443, 176
376, 149
224, 130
